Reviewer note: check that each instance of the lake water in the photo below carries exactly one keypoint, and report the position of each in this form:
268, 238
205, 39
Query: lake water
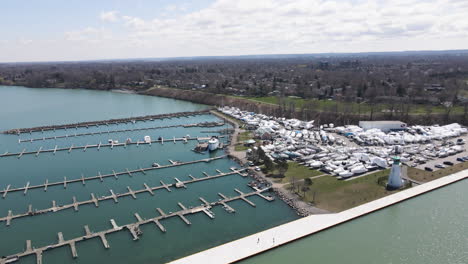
428, 229
25, 107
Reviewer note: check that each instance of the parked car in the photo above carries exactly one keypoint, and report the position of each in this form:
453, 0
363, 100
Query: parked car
251, 163
440, 166
460, 159
448, 163
257, 168
428, 169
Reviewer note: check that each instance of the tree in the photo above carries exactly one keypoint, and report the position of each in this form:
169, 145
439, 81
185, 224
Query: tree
308, 181
401, 91
282, 167
268, 164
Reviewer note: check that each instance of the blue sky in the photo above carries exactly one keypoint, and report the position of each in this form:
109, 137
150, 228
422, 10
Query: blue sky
53, 30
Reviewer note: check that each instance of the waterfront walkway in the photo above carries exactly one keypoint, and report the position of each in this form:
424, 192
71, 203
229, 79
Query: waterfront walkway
277, 236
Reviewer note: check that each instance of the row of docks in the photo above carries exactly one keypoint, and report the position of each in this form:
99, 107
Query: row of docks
202, 124
118, 121
100, 145
113, 196
101, 177
134, 228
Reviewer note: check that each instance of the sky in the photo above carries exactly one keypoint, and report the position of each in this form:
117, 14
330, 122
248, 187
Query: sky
57, 30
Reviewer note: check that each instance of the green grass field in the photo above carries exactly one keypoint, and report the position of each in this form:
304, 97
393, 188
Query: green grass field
337, 195
425, 176
240, 140
297, 171
363, 108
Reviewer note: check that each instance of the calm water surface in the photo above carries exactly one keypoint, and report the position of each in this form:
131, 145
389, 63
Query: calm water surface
24, 107
429, 229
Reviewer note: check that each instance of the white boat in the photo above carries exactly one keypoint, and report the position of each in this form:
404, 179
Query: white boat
358, 169
345, 174
213, 144
315, 164
147, 139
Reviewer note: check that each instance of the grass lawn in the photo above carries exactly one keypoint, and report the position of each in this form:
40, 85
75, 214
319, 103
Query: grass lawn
425, 176
298, 171
336, 195
243, 136
363, 108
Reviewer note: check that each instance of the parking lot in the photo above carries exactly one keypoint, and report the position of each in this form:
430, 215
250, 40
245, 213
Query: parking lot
431, 163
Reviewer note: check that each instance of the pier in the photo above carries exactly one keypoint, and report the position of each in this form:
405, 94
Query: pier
203, 124
100, 176
133, 228
133, 193
98, 146
18, 131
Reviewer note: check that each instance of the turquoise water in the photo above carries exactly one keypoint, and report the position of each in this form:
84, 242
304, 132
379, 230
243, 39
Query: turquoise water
24, 107
428, 229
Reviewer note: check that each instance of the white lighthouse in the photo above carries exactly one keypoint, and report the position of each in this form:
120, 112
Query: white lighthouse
394, 179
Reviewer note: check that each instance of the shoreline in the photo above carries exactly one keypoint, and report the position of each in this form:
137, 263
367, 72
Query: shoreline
260, 242
299, 207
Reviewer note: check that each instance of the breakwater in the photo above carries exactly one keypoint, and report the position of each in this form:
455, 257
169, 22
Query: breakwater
289, 232
201, 124
18, 131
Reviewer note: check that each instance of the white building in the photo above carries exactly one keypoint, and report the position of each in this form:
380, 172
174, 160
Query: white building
385, 126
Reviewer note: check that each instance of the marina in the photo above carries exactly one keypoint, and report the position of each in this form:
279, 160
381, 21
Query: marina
100, 176
75, 204
108, 122
203, 124
133, 228
99, 146
64, 193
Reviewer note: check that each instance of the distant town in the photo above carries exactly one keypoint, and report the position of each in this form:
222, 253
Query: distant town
415, 87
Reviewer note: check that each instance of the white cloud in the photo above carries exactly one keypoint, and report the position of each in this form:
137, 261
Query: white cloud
88, 34
109, 16
229, 27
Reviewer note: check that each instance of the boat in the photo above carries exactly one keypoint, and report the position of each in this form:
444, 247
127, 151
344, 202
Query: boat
147, 139
213, 143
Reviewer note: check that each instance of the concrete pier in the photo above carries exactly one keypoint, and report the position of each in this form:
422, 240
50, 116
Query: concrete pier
5, 192
132, 227
114, 196
148, 189
87, 231
111, 145
75, 204
101, 176
132, 193
104, 240
161, 227
18, 131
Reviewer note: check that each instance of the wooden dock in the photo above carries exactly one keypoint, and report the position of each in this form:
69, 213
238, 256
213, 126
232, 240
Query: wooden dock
98, 146
100, 176
133, 228
18, 131
202, 124
75, 204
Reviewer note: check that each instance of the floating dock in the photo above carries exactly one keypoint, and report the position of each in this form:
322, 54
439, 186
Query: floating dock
133, 228
100, 176
18, 131
98, 146
75, 204
203, 124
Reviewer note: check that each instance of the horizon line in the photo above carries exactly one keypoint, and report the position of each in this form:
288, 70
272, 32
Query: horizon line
262, 56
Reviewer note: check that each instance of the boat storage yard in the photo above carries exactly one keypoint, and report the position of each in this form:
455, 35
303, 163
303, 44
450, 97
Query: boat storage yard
347, 151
